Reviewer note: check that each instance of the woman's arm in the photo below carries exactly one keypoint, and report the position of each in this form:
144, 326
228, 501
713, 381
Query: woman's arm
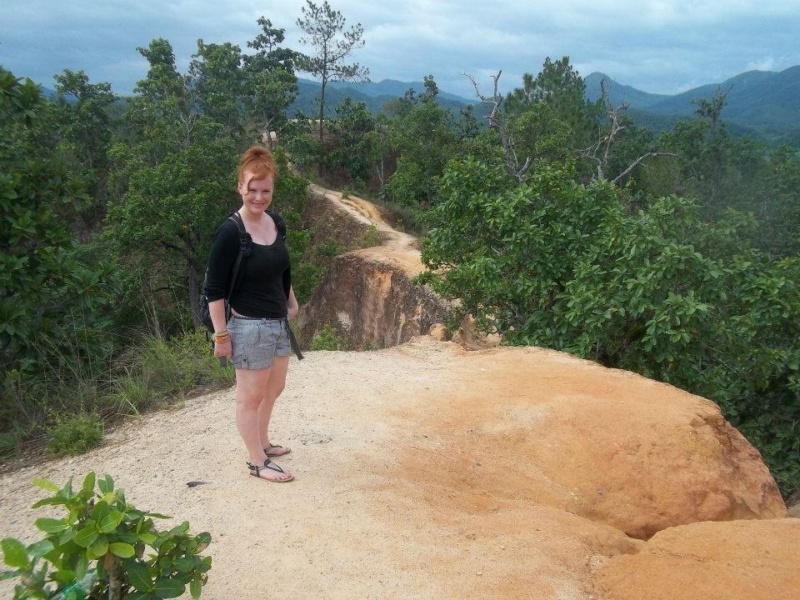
291, 304
222, 347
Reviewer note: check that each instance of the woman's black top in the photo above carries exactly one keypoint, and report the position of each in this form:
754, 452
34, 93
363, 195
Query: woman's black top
260, 290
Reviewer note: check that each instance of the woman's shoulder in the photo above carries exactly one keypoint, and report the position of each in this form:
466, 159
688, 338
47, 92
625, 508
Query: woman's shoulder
227, 233
229, 226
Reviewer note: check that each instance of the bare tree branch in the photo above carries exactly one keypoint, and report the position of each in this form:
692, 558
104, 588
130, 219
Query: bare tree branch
497, 123
607, 141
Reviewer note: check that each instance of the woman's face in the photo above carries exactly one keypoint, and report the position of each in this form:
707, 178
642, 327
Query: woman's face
256, 193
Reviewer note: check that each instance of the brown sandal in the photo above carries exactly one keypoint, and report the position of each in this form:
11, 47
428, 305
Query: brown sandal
275, 450
255, 471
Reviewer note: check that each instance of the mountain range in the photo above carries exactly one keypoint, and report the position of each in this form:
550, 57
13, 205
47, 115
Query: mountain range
762, 104
374, 95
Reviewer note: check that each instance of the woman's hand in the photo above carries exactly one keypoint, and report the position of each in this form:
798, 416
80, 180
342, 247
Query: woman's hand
223, 348
292, 307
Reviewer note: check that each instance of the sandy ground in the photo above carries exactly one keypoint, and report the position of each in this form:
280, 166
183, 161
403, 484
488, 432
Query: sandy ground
356, 522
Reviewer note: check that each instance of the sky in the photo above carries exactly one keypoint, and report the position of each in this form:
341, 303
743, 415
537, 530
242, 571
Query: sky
656, 46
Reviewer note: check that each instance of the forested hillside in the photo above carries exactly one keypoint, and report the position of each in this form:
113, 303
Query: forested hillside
556, 220
760, 104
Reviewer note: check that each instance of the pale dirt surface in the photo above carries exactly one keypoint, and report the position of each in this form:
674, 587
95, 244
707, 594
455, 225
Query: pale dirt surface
367, 516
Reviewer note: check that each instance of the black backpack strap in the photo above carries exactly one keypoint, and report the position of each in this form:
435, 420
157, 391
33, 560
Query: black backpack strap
280, 224
244, 251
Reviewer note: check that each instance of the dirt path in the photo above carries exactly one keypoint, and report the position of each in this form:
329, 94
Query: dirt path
397, 247
355, 523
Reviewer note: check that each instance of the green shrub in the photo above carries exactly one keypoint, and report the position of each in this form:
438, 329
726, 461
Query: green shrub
329, 248
100, 550
76, 434
156, 372
328, 340
9, 444
370, 238
129, 397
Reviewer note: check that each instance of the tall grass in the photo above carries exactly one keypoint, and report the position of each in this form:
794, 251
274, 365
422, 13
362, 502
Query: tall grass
67, 403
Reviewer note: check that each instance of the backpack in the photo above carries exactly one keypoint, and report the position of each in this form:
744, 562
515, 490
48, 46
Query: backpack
244, 251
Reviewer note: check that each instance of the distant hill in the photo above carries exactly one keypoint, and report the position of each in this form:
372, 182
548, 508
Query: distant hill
374, 95
391, 88
764, 104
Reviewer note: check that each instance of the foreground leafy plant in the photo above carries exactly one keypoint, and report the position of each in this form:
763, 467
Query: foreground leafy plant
98, 550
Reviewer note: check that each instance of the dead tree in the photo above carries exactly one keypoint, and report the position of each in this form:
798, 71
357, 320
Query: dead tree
601, 151
497, 123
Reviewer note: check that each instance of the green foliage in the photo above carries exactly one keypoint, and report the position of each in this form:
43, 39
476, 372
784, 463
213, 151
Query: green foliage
351, 155
330, 248
272, 84
105, 547
155, 372
327, 339
76, 434
550, 119
9, 444
57, 297
85, 132
424, 137
370, 238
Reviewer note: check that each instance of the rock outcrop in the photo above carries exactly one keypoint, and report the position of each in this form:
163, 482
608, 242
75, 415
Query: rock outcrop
367, 297
740, 560
604, 444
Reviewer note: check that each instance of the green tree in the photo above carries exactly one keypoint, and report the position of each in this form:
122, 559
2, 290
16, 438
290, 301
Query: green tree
703, 147
549, 117
779, 205
54, 294
324, 30
86, 130
272, 84
219, 82
352, 151
424, 137
175, 175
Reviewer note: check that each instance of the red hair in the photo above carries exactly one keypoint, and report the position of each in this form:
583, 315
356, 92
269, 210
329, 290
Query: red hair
259, 162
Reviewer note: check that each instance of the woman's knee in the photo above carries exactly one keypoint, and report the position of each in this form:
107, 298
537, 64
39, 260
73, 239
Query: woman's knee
248, 400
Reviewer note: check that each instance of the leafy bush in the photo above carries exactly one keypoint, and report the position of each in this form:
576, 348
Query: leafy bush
329, 248
76, 434
328, 340
370, 238
100, 550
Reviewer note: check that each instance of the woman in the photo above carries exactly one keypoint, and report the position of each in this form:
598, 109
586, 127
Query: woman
256, 337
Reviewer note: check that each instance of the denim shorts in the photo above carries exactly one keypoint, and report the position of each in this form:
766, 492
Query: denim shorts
256, 342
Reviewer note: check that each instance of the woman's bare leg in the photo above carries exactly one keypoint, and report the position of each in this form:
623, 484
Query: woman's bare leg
250, 390
274, 387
